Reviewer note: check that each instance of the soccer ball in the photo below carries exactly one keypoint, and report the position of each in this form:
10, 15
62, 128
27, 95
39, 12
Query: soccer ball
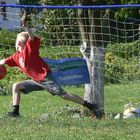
3, 72
130, 112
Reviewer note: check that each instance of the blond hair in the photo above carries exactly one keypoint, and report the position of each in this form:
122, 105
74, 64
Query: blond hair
22, 37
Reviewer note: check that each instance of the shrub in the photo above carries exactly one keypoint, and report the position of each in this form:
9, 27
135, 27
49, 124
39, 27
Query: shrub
122, 62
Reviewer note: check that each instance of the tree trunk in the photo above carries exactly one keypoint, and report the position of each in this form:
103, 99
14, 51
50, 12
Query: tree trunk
94, 92
94, 53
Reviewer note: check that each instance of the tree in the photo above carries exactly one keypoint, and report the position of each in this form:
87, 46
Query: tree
93, 52
92, 48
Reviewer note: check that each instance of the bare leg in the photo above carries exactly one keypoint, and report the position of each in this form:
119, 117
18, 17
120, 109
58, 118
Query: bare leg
73, 98
79, 100
16, 93
16, 99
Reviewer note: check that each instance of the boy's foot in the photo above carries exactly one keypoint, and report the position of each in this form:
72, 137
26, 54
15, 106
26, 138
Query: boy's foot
94, 108
98, 113
13, 114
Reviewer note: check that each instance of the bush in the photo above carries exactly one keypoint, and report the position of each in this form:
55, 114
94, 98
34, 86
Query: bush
7, 43
60, 52
122, 62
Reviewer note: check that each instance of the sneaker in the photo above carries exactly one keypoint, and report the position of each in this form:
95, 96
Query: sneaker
93, 107
13, 114
98, 113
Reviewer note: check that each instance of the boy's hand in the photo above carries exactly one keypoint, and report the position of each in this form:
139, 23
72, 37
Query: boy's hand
2, 62
25, 24
24, 19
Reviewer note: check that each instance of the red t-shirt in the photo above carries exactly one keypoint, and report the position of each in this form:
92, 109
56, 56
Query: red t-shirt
29, 61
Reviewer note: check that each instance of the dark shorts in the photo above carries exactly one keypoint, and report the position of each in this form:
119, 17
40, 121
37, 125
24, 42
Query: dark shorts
49, 84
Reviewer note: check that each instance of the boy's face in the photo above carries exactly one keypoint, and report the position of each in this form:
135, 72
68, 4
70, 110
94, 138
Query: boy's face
19, 46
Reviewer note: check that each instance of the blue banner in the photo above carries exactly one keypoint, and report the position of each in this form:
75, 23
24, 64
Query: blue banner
69, 71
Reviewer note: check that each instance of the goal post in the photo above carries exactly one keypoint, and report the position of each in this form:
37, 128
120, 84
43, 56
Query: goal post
95, 33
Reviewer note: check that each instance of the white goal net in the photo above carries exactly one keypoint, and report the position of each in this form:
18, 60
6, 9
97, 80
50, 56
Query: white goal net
61, 36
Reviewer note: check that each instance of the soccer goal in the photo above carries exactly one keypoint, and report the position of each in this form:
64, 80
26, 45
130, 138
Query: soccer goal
107, 37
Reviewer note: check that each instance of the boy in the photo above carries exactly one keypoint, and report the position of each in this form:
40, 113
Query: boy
27, 59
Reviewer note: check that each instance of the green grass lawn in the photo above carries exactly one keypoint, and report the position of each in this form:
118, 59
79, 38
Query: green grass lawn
62, 124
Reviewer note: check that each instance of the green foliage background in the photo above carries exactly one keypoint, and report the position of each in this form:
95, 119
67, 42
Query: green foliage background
122, 62
121, 59
49, 15
117, 68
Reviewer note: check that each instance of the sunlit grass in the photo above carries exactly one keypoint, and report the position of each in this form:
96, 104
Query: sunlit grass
62, 125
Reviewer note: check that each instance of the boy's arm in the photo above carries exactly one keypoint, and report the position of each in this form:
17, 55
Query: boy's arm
30, 33
9, 61
25, 24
